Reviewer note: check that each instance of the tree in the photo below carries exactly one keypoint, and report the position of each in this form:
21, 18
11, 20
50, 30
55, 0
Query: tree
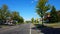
42, 8
17, 17
32, 20
58, 13
4, 11
21, 20
54, 14
6, 14
0, 14
37, 20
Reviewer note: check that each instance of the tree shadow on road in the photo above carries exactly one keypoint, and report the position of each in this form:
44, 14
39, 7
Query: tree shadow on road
47, 30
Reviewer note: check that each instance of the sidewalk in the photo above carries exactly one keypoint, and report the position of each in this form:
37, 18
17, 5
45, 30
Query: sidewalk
35, 31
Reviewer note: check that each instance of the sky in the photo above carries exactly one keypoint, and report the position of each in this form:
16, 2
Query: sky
26, 8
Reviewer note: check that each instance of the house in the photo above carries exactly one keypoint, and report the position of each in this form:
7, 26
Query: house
10, 21
47, 17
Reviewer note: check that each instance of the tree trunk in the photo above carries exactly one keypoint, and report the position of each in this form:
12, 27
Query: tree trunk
42, 20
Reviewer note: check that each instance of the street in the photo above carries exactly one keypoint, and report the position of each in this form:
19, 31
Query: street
19, 29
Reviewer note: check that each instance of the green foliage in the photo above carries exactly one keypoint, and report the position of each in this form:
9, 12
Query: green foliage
54, 14
0, 15
5, 13
27, 21
36, 21
21, 20
15, 16
32, 20
42, 8
58, 13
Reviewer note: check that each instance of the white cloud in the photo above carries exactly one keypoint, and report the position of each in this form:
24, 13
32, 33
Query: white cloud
32, 1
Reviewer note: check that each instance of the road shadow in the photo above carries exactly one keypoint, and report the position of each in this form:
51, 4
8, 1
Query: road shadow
0, 27
47, 30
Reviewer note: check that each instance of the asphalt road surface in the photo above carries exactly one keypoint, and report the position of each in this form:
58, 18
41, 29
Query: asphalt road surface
19, 29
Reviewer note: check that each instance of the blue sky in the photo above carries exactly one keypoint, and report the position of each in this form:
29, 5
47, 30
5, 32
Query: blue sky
26, 8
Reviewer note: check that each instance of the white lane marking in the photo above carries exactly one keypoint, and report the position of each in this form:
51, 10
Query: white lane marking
30, 29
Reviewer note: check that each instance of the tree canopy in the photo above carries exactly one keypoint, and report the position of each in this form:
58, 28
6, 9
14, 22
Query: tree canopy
32, 20
5, 13
42, 8
54, 14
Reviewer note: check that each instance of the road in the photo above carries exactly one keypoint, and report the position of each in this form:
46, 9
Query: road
19, 29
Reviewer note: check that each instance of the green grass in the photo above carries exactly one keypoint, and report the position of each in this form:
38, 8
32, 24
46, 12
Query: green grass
38, 23
3, 26
53, 25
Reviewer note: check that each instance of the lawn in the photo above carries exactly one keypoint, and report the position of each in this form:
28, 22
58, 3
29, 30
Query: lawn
54, 25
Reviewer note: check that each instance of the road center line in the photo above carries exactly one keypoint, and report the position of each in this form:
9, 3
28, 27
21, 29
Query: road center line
30, 29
